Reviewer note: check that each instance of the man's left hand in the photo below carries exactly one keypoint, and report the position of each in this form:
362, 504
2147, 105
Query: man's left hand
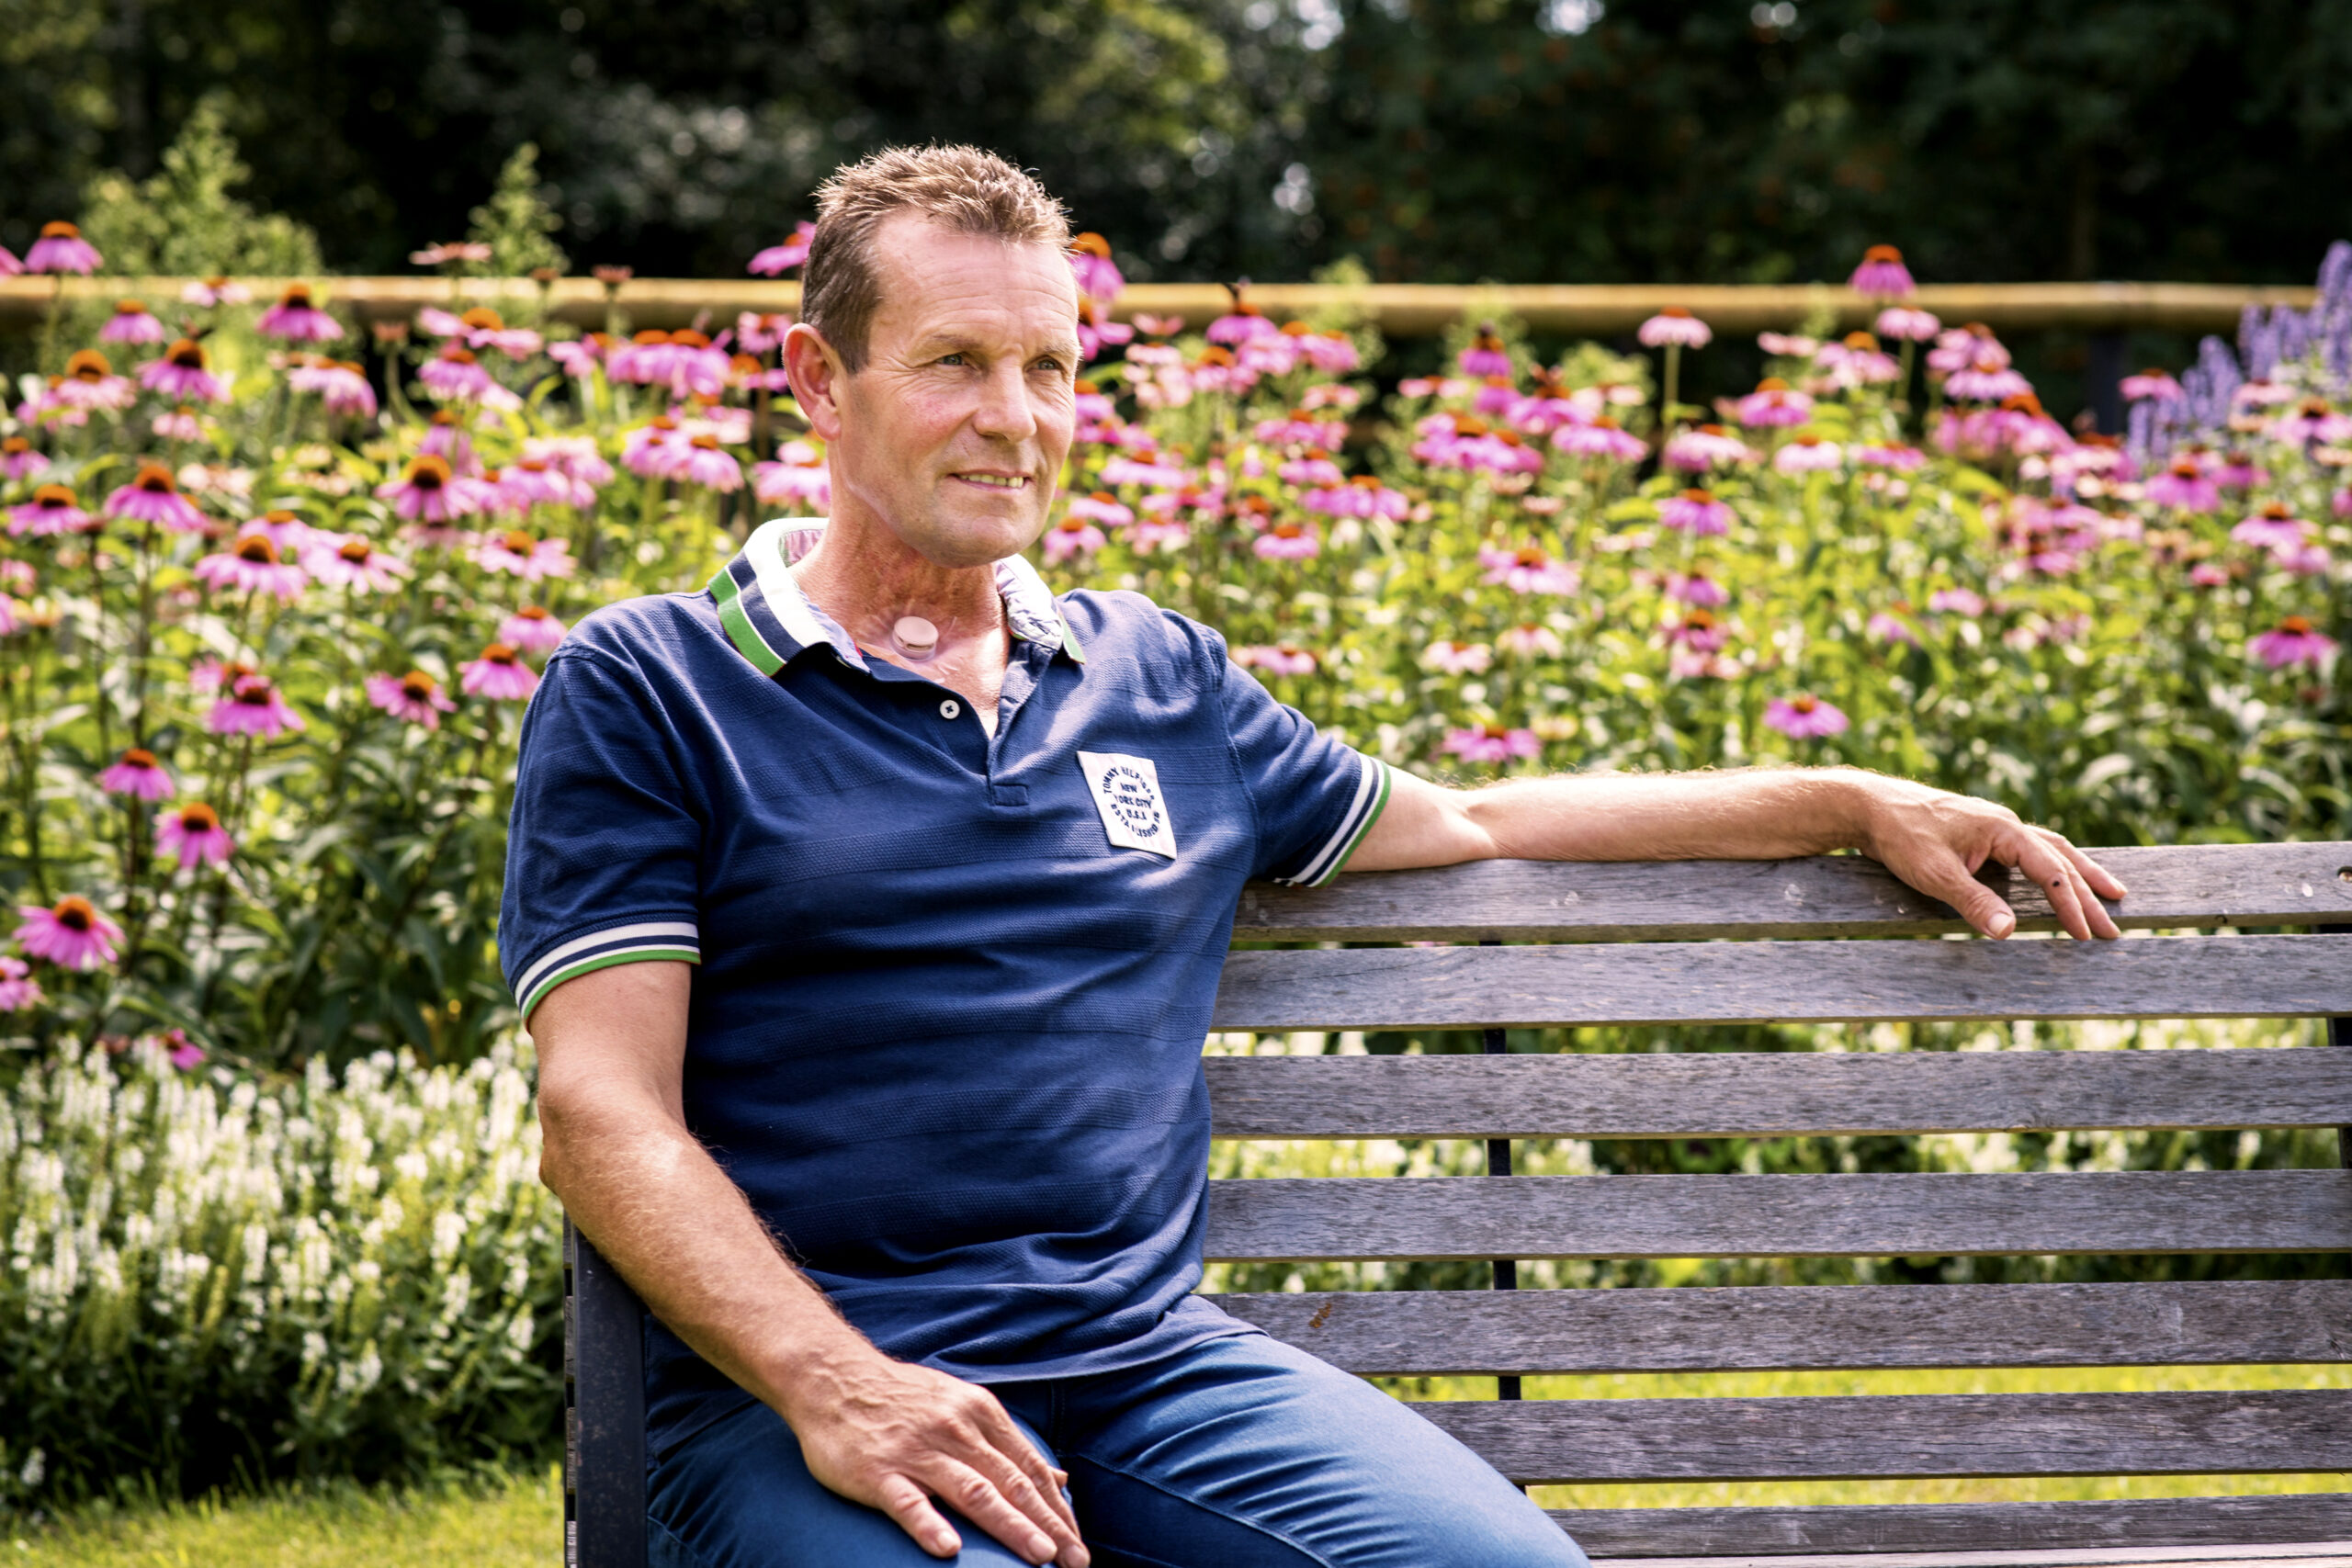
1937, 842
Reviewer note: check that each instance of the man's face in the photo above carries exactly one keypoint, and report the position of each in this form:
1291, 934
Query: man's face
955, 431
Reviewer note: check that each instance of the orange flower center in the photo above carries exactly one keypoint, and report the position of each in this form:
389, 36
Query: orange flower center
686, 337
2295, 626
55, 498
257, 549
1882, 254
199, 818
705, 442
154, 478
1862, 343
651, 335
88, 364
2275, 511
2184, 470
663, 421
482, 319
61, 232
187, 354
532, 613
1699, 618
456, 355
357, 551
130, 308
519, 543
1091, 244
1803, 705
499, 653
1771, 384
1676, 312
1699, 497
428, 472
297, 297
73, 911
416, 685
254, 690
1529, 555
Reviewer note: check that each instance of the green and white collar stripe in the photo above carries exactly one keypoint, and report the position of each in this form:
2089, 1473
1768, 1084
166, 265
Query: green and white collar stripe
769, 619
1371, 800
599, 950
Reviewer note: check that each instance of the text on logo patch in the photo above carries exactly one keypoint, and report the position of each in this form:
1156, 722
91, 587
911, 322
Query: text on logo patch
1126, 792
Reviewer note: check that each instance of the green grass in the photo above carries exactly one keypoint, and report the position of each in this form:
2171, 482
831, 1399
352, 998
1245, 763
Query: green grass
518, 1522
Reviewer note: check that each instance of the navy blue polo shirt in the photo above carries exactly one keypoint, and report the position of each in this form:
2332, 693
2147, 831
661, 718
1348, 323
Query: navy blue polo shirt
945, 1033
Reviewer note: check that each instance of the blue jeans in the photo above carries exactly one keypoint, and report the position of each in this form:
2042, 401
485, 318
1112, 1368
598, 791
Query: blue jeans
1241, 1452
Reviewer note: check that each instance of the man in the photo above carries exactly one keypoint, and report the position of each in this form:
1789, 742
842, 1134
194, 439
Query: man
909, 1174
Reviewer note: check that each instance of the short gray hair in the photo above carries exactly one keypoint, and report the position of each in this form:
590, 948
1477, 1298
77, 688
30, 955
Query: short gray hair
963, 189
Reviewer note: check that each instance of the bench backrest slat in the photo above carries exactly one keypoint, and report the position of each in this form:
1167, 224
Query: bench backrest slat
1764, 1094
1853, 1438
1861, 1215
1658, 983
1806, 1328
2190, 885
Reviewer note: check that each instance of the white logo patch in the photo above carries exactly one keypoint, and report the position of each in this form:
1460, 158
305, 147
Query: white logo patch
1126, 792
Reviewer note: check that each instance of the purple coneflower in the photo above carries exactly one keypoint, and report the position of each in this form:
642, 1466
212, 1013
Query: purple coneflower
1905, 325
2185, 487
777, 260
18, 460
533, 482
1987, 379
1774, 402
429, 492
709, 466
444, 252
89, 382
1529, 640
580, 357
1804, 717
1287, 540
1883, 275
1675, 326
60, 248
209, 292
1362, 496
132, 322
254, 706
193, 833
499, 674
2152, 384
177, 425
72, 934
779, 483
1956, 602
1486, 356
416, 696
294, 319
1314, 469
1602, 438
1808, 454
1699, 631
1333, 352
253, 567
1697, 588
1491, 743
340, 384
153, 496
1695, 512
1527, 570
1280, 658
138, 775
454, 374
532, 630
531, 559
181, 375
1451, 658
1243, 322
2272, 528
1097, 274
17, 992
50, 511
1072, 535
1101, 507
1696, 450
1902, 459
352, 562
1888, 628
2295, 641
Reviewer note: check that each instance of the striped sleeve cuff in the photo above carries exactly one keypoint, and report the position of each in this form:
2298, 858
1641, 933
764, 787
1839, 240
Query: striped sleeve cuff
676, 940
1371, 799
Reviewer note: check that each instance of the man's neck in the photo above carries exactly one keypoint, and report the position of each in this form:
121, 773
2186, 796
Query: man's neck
867, 579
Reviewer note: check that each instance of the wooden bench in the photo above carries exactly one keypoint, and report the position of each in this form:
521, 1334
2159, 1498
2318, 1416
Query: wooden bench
1642, 944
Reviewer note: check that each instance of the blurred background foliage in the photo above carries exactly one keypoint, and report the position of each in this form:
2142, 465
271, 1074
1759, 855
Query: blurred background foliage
1573, 140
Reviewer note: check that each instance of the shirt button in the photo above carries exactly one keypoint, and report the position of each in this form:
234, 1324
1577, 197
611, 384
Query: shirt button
951, 708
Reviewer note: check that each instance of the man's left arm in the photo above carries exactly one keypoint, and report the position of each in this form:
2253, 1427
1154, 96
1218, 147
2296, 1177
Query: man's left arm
1932, 840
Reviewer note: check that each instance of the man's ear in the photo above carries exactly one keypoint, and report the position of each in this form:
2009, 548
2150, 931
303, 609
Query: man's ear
816, 371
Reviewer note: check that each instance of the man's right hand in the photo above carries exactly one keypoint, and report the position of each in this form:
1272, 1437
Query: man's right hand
894, 1436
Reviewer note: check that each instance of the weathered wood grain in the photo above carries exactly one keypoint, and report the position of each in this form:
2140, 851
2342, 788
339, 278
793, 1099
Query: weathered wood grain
1734, 1094
2243, 884
1469, 1333
1866, 1215
1554, 1440
1775, 982
1960, 1527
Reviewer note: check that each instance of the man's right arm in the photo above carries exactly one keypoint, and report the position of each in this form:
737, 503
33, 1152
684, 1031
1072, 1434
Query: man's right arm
886, 1433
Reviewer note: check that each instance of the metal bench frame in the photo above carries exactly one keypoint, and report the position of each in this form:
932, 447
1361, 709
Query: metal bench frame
1545, 944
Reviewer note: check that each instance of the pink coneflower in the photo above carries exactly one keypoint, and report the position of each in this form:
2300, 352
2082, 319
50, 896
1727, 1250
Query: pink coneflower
132, 322
499, 674
2185, 487
138, 775
1808, 454
1804, 717
18, 460
1528, 640
340, 384
1451, 658
50, 511
153, 496
1695, 512
708, 465
1698, 631
1101, 507
777, 260
1988, 380
455, 374
193, 833
531, 482
254, 706
482, 327
444, 252
2272, 528
10, 266
1956, 602
1775, 402
207, 676
1527, 570
577, 459
181, 375
2152, 384
1333, 352
1602, 438
2236, 471
1300, 427
60, 248
1073, 536
1888, 628
1243, 322
1491, 743
429, 493
1280, 658
178, 424
1486, 356
532, 630
1883, 275
1697, 588
531, 559
352, 562
253, 567
1677, 326
1314, 469
294, 319
756, 333
580, 357
416, 696
2208, 574
2295, 641
1902, 459
17, 992
89, 382
781, 483
209, 292
1097, 274
654, 450
1907, 325
1704, 447
1287, 540
72, 935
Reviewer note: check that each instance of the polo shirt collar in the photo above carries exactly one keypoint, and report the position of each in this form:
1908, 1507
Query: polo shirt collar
769, 619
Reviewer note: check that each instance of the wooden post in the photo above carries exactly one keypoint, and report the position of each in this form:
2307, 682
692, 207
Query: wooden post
2103, 381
